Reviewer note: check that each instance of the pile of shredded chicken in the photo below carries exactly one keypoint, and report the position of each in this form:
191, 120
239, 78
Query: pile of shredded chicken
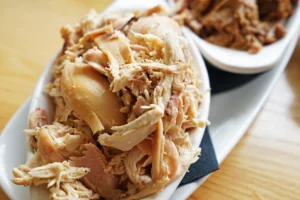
238, 24
126, 98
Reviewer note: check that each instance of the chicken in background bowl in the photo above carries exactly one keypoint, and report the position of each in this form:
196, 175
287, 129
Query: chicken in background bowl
238, 24
126, 97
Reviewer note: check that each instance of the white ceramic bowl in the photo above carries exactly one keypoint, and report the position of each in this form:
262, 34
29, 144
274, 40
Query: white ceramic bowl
241, 61
42, 100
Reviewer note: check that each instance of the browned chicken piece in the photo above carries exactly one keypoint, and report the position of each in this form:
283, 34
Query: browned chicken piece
238, 24
270, 10
97, 179
201, 6
233, 20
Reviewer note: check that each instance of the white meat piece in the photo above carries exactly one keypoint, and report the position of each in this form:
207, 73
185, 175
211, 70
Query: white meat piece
55, 143
150, 41
50, 174
158, 167
133, 169
117, 45
72, 191
91, 21
171, 158
133, 77
116, 164
187, 156
97, 59
132, 133
153, 187
173, 51
156, 25
162, 93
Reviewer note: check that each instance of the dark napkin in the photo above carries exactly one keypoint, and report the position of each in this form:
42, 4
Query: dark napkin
206, 164
220, 81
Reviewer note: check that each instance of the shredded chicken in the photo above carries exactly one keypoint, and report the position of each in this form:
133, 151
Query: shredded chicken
126, 97
129, 135
238, 24
38, 118
74, 190
57, 142
51, 174
133, 169
98, 180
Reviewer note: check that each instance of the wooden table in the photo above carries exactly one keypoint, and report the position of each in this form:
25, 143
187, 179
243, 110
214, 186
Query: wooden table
264, 165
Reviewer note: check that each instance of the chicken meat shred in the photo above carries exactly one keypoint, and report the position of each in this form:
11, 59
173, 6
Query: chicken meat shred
51, 174
97, 179
129, 135
74, 190
133, 169
57, 142
126, 97
38, 118
238, 24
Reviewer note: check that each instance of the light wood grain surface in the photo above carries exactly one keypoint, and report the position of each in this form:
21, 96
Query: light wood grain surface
264, 165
